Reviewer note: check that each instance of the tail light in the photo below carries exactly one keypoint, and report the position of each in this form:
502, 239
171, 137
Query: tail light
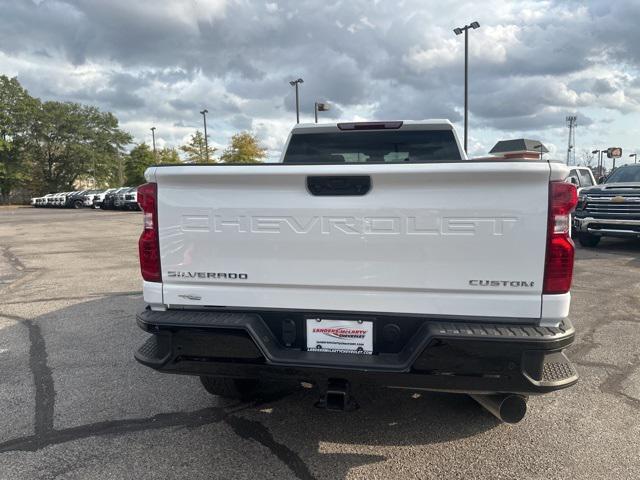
558, 270
148, 244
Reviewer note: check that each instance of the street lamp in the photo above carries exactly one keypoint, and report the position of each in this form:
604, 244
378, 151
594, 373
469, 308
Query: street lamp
600, 166
319, 107
458, 31
635, 157
206, 142
153, 136
295, 83
599, 153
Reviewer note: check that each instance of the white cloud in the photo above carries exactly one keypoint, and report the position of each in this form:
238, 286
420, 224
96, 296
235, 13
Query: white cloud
159, 62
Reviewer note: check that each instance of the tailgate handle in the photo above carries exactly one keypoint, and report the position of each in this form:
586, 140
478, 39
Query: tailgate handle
336, 185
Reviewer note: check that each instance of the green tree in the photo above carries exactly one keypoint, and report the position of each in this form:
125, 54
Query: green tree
142, 157
72, 141
139, 159
587, 158
17, 114
48, 146
167, 155
196, 149
244, 148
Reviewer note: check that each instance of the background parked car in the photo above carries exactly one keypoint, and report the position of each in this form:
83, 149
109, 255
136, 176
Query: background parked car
56, 200
126, 199
611, 209
43, 201
122, 198
99, 197
581, 177
89, 197
74, 199
40, 202
118, 199
131, 199
108, 203
78, 199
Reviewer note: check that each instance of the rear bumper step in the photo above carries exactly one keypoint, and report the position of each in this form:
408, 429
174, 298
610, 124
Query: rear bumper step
465, 357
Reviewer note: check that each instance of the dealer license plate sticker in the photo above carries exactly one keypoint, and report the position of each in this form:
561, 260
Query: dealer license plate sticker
339, 336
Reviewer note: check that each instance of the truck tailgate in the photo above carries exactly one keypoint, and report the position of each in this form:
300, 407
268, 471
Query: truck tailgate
464, 239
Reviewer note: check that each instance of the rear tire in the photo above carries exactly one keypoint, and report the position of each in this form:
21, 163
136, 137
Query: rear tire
588, 240
78, 204
237, 388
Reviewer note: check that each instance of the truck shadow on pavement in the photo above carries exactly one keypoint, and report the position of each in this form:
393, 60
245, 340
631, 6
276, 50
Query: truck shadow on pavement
86, 384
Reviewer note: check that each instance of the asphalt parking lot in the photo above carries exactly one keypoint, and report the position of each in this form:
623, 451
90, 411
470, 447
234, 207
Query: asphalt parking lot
75, 404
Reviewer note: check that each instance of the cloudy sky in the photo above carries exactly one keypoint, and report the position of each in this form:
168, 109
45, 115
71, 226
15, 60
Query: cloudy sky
158, 62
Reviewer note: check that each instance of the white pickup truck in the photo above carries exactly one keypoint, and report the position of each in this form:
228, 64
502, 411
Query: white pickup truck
374, 252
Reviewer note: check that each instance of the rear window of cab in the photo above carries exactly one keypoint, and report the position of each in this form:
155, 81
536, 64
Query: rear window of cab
392, 146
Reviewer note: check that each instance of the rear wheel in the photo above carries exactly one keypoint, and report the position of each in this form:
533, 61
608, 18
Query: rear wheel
78, 204
238, 388
588, 240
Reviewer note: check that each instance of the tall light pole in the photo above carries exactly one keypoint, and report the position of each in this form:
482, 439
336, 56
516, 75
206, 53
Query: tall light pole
295, 83
459, 31
206, 142
319, 107
153, 136
572, 123
635, 157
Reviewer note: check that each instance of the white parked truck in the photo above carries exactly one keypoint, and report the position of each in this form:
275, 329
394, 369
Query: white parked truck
374, 252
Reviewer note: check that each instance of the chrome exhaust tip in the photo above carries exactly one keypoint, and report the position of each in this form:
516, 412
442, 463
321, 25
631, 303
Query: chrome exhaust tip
509, 408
